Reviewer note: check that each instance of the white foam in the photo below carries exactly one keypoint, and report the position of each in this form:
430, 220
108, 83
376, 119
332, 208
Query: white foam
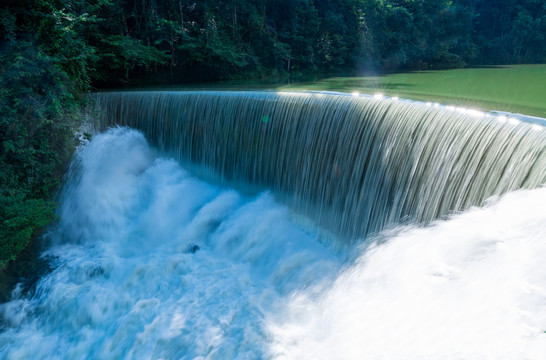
130, 282
472, 287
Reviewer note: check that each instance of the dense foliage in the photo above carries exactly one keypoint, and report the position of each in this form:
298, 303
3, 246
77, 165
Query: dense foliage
41, 79
35, 128
52, 51
114, 42
222, 39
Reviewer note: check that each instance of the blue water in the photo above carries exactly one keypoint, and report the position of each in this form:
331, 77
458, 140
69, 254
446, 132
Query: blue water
154, 263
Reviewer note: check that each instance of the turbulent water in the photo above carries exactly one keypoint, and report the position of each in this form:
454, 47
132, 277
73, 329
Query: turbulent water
150, 262
356, 165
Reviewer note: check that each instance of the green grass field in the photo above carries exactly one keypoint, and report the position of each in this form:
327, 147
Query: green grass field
516, 88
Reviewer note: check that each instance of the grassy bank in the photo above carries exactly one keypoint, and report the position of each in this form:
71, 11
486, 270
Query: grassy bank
515, 88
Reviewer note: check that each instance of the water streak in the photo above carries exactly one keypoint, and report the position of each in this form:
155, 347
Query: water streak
356, 165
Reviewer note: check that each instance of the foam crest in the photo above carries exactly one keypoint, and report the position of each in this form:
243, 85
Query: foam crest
151, 262
471, 287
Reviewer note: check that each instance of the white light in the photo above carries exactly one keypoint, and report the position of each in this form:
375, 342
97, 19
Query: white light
536, 127
395, 98
513, 121
460, 109
452, 108
475, 113
355, 93
378, 96
436, 104
429, 104
502, 119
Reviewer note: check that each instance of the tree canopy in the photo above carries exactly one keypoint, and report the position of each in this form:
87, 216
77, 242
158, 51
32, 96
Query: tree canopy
115, 42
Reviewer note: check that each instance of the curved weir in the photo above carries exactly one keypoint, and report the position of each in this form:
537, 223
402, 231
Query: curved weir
354, 164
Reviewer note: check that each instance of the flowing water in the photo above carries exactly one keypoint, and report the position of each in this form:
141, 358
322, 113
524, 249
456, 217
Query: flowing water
153, 262
356, 165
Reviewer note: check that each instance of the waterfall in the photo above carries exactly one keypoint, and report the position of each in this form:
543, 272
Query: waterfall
150, 261
355, 165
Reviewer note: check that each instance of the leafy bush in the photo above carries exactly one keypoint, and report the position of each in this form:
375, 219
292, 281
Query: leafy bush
38, 113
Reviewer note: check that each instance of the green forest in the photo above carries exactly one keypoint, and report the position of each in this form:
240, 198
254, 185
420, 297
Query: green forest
53, 52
